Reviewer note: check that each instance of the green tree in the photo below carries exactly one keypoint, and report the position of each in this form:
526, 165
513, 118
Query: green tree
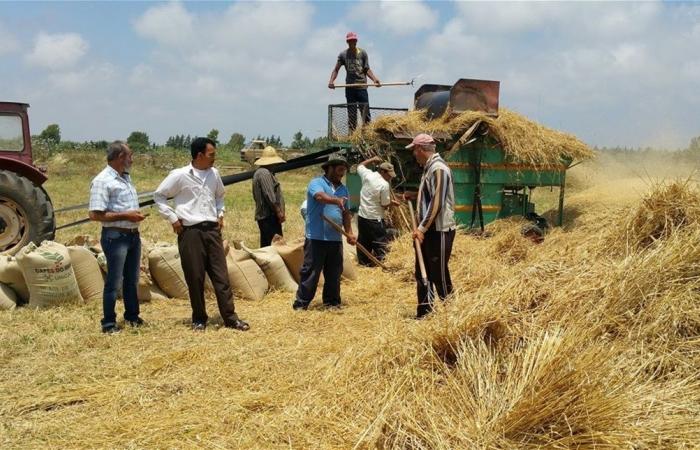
300, 141
236, 142
214, 135
138, 141
52, 134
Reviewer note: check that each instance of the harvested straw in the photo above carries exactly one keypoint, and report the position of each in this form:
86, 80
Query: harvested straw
579, 342
522, 139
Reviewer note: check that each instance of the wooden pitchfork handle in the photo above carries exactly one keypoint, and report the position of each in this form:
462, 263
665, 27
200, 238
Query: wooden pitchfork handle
419, 252
359, 85
357, 244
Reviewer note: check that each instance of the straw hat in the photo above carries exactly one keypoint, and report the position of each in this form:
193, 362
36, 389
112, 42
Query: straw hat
269, 156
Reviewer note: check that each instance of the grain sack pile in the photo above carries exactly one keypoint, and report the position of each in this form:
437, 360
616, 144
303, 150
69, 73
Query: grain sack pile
273, 267
49, 274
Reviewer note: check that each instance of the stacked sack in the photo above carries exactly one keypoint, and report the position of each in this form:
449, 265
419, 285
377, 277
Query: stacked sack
292, 253
49, 273
246, 278
166, 270
274, 268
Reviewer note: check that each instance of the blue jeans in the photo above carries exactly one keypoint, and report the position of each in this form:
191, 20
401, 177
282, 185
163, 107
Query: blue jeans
123, 254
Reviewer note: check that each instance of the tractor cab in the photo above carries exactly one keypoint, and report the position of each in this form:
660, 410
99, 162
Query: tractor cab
26, 212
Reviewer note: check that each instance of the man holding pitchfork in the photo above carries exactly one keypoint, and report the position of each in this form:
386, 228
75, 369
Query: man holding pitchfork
436, 227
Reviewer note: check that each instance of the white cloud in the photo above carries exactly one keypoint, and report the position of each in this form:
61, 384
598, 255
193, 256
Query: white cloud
398, 17
93, 78
8, 42
57, 51
507, 17
169, 24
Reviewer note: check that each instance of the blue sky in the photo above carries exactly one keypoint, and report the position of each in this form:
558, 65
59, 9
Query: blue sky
624, 73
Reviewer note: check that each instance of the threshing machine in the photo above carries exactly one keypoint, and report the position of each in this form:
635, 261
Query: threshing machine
489, 184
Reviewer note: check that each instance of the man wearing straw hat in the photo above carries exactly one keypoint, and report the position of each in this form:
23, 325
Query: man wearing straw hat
435, 232
375, 198
326, 197
267, 192
357, 70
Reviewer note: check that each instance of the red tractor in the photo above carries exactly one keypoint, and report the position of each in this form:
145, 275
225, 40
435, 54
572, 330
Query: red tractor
26, 212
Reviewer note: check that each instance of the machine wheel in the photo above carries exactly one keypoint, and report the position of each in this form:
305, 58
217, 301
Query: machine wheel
26, 213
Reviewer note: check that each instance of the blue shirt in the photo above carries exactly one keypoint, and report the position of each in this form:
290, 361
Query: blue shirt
112, 192
316, 227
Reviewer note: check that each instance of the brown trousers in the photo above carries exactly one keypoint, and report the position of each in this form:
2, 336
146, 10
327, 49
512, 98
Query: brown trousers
202, 252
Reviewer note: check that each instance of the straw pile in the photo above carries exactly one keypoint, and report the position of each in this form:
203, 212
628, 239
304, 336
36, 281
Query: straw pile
522, 139
590, 339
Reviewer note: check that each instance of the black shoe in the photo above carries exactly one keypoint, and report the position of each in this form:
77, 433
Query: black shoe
139, 322
111, 329
299, 306
333, 307
198, 326
238, 325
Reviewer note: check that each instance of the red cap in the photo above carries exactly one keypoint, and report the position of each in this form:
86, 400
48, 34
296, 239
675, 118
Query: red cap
351, 36
421, 139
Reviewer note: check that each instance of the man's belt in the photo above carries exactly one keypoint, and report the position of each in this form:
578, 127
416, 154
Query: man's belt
204, 225
123, 230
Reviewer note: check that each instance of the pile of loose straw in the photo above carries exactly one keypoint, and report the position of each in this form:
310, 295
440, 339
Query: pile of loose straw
588, 340
522, 139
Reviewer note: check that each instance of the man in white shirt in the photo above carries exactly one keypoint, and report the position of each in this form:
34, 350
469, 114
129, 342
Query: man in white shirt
375, 198
198, 218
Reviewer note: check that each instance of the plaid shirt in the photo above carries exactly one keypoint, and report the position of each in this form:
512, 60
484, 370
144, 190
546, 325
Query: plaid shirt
111, 192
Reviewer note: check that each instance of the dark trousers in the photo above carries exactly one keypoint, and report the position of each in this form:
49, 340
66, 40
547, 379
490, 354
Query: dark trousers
123, 254
269, 227
202, 251
320, 256
436, 248
372, 235
354, 96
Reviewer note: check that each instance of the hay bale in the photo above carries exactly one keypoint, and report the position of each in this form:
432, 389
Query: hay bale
8, 298
11, 275
274, 268
87, 272
166, 270
246, 278
49, 274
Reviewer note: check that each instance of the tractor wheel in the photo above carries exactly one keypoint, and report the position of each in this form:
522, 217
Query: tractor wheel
26, 213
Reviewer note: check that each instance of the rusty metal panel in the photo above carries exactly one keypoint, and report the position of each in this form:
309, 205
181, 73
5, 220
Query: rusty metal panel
464, 95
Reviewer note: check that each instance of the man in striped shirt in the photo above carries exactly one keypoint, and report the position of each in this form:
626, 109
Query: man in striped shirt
436, 223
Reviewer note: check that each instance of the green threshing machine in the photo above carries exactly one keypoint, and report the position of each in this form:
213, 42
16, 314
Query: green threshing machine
488, 183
